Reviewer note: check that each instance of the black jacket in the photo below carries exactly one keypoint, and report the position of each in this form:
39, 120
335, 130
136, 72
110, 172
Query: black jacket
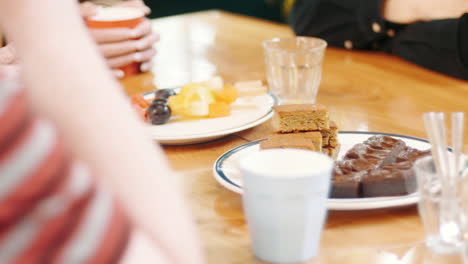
439, 45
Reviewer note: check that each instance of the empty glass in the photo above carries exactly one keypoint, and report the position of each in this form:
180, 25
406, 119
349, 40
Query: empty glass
294, 67
443, 216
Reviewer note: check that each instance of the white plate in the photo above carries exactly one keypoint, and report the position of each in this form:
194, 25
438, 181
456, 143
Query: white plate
246, 113
226, 172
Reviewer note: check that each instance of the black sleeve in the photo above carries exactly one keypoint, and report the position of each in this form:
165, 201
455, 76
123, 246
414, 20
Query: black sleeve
439, 45
353, 24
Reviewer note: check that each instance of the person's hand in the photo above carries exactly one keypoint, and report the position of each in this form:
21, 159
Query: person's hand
7, 55
122, 46
409, 11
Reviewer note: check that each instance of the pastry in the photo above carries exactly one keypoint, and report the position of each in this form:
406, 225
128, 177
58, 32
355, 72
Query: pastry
330, 136
331, 151
300, 117
307, 140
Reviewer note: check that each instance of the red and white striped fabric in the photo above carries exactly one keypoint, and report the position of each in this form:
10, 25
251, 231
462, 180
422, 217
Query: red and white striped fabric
51, 210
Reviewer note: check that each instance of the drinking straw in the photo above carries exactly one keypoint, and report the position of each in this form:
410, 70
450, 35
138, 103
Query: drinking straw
458, 119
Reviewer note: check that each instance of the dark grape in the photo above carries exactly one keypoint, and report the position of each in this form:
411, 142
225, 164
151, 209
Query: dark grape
164, 93
158, 113
159, 101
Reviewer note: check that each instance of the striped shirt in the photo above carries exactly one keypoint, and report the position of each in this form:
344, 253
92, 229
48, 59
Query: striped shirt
51, 211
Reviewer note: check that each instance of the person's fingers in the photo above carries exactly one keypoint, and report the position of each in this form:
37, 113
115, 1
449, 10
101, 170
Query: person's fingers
88, 9
146, 66
125, 47
142, 56
143, 29
136, 4
112, 35
118, 73
7, 55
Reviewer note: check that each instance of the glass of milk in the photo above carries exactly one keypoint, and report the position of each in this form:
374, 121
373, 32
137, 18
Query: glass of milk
284, 197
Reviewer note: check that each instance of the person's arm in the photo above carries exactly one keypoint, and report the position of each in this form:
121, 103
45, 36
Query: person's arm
68, 83
347, 24
410, 11
7, 55
372, 25
439, 45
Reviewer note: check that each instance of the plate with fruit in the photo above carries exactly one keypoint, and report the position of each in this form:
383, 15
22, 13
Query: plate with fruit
204, 111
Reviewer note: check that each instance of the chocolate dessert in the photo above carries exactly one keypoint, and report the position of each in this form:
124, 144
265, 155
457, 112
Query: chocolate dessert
345, 184
390, 180
380, 166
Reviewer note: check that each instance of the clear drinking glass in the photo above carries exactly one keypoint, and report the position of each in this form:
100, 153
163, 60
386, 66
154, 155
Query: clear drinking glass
443, 216
294, 67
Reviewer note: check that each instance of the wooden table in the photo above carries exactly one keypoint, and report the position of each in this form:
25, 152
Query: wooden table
364, 91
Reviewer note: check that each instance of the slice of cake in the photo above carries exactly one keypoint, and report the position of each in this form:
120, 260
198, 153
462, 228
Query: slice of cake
390, 180
300, 117
331, 151
308, 140
330, 136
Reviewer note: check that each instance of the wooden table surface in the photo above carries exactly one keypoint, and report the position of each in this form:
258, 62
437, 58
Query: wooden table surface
364, 91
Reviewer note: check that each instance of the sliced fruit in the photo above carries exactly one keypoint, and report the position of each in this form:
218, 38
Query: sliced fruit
250, 88
219, 109
228, 94
140, 111
215, 83
139, 100
177, 105
197, 109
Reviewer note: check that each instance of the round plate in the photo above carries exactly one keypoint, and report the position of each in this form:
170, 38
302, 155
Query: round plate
246, 112
226, 172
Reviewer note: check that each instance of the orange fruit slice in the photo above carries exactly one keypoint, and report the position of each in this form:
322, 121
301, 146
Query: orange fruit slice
219, 109
228, 94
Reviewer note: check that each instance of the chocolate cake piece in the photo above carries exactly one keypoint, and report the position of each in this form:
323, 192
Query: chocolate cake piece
380, 166
345, 184
411, 154
344, 187
362, 157
381, 143
389, 180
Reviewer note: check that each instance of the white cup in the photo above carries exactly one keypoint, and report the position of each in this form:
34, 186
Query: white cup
285, 195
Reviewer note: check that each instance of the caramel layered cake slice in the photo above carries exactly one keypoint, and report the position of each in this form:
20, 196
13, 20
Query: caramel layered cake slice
330, 135
330, 146
300, 117
307, 140
331, 151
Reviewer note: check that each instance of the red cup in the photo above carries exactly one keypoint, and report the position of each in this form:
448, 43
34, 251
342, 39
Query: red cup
118, 17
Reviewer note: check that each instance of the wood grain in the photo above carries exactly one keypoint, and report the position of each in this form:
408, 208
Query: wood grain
364, 91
